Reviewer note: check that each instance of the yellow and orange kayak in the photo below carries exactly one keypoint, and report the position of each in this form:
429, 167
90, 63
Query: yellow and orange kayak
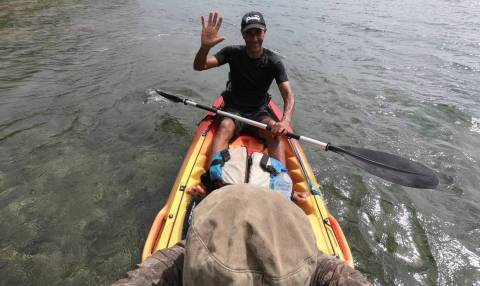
168, 226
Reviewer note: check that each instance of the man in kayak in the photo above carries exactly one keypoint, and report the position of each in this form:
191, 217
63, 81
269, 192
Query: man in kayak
252, 70
237, 238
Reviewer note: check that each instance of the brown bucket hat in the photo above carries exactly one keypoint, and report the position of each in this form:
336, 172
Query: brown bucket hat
247, 235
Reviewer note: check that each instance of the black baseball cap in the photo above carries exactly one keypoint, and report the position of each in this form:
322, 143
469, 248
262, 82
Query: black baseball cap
253, 20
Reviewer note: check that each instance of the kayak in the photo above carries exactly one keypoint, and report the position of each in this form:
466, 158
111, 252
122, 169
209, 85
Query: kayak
168, 228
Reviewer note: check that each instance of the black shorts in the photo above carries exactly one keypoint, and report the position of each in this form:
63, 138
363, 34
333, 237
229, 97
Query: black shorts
256, 115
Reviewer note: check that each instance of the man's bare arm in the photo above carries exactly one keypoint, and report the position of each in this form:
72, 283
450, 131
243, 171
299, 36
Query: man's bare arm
288, 101
203, 61
281, 127
209, 39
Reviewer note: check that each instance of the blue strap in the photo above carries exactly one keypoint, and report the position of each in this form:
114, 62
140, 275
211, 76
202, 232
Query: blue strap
278, 166
216, 167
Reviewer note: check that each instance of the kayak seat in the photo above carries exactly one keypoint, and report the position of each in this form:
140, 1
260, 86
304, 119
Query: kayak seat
293, 165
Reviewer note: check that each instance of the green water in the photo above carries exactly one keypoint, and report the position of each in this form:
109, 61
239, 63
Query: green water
87, 157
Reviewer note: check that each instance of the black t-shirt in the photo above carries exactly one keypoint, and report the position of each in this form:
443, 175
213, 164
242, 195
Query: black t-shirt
250, 78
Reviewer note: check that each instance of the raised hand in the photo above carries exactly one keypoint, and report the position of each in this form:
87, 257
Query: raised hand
210, 31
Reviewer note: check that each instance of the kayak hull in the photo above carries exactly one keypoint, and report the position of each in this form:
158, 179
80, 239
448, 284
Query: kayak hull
167, 228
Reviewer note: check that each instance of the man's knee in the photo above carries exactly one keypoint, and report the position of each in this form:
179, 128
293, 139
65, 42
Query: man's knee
270, 138
265, 134
226, 127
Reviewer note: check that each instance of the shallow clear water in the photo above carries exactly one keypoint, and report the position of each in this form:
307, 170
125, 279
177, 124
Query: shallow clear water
87, 156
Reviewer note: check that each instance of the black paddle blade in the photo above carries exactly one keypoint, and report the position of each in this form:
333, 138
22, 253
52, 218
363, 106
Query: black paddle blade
171, 97
389, 167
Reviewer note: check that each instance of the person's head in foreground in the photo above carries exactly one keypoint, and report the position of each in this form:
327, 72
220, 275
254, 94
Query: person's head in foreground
246, 235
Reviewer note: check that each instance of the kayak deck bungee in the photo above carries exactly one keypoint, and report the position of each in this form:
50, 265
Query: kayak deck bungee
168, 226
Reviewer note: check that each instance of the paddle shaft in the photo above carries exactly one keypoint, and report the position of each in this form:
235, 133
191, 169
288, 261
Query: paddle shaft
254, 123
384, 165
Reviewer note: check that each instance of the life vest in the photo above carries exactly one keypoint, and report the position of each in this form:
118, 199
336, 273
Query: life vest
271, 173
234, 166
229, 166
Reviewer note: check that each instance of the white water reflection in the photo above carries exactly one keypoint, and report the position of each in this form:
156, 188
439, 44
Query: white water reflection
154, 97
450, 254
475, 125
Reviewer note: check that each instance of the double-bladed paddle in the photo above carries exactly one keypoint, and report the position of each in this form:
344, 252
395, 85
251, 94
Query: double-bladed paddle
390, 167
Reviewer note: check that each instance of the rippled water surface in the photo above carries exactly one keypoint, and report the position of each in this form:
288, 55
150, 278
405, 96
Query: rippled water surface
87, 157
